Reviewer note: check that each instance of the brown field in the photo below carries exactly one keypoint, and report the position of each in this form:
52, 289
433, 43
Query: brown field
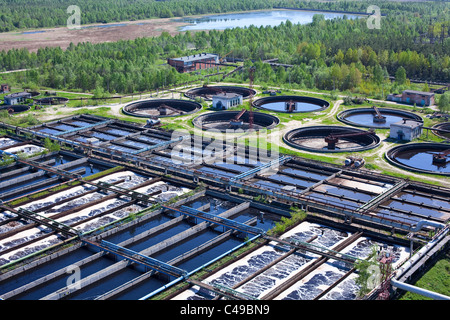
62, 37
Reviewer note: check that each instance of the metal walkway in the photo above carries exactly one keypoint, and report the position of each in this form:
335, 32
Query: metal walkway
42, 220
164, 144
316, 249
217, 220
222, 290
138, 258
267, 166
238, 181
319, 204
85, 127
383, 196
71, 175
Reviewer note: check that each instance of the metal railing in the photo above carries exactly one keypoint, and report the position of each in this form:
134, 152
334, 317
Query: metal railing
216, 219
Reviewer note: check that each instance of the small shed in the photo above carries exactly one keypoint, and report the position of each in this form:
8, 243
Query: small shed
17, 98
226, 100
406, 130
420, 98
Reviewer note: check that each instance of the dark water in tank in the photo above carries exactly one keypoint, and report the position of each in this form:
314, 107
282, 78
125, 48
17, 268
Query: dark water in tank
422, 159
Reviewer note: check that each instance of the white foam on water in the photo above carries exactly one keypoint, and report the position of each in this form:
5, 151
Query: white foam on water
31, 248
53, 198
23, 235
27, 235
289, 267
6, 142
117, 176
235, 272
168, 190
308, 287
28, 149
272, 277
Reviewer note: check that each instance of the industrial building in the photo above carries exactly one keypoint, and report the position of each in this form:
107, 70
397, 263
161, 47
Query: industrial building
145, 221
406, 130
17, 98
420, 98
226, 100
194, 62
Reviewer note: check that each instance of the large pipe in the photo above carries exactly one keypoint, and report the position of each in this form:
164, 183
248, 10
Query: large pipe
422, 223
421, 291
408, 264
151, 294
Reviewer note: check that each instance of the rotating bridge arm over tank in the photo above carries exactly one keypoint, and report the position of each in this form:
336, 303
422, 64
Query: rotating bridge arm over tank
441, 157
378, 117
332, 139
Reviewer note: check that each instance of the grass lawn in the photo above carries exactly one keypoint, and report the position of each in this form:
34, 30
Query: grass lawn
437, 279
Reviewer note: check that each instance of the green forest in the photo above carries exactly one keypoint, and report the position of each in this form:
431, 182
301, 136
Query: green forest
20, 14
340, 54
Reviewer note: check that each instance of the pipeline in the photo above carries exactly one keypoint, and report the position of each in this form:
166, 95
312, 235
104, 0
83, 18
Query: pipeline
422, 223
395, 282
408, 264
421, 291
161, 289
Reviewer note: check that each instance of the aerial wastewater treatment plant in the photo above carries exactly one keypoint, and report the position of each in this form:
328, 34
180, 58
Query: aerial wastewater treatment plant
110, 199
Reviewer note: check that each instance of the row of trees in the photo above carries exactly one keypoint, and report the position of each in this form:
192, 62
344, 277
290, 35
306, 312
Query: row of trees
20, 14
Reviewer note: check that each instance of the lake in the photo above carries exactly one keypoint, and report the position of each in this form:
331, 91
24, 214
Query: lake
256, 18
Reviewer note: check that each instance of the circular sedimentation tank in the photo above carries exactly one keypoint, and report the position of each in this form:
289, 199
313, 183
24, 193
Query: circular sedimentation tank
161, 108
291, 104
369, 118
206, 92
225, 120
331, 139
443, 126
51, 100
34, 93
17, 108
421, 157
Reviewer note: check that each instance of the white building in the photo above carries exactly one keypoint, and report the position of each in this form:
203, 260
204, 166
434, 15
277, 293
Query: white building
223, 101
406, 130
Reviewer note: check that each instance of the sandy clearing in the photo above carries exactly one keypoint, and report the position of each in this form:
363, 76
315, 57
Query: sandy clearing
62, 36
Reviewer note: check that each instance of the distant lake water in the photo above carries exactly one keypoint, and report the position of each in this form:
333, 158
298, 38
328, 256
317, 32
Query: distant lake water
256, 18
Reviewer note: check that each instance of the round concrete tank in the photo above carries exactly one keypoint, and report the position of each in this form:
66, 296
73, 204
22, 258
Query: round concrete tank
421, 157
291, 104
442, 134
225, 120
17, 108
51, 100
331, 139
369, 118
161, 108
206, 92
